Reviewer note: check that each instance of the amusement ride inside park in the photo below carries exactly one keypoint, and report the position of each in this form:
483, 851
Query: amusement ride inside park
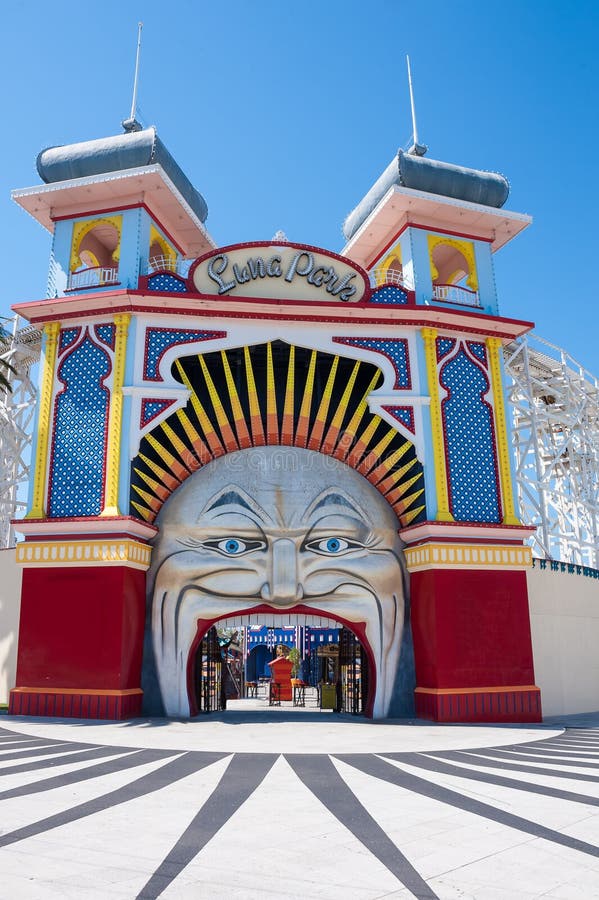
247, 398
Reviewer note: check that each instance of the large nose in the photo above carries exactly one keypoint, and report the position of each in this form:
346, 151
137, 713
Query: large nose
282, 586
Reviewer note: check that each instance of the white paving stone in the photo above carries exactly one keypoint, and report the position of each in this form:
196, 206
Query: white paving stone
283, 842
270, 732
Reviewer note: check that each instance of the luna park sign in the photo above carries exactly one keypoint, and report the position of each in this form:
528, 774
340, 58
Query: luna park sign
279, 271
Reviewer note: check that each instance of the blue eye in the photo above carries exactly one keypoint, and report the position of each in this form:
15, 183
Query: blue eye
232, 546
333, 546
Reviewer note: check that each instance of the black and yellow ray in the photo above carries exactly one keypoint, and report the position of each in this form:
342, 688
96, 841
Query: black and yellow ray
275, 393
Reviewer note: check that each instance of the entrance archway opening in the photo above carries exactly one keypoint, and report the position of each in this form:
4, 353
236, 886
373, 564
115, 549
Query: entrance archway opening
267, 662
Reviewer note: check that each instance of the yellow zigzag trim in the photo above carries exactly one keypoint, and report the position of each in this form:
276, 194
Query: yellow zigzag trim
221, 433
408, 517
243, 435
304, 413
205, 423
255, 414
145, 513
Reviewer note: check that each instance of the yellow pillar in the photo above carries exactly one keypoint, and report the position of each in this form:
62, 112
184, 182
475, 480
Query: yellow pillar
115, 420
503, 453
429, 336
38, 504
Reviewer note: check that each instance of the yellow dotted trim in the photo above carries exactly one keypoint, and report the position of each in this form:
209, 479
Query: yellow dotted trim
503, 453
429, 336
113, 455
38, 505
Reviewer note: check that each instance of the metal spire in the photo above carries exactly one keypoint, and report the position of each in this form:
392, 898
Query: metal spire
131, 124
416, 148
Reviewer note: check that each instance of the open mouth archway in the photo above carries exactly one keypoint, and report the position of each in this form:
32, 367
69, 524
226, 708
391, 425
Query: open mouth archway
275, 530
333, 665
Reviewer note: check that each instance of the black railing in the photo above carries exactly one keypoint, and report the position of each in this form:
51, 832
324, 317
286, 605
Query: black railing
556, 565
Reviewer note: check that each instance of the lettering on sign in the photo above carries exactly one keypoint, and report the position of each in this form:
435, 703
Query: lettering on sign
279, 271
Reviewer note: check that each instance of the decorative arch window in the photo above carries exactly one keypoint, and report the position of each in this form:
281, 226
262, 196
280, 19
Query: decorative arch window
95, 252
162, 256
453, 270
390, 270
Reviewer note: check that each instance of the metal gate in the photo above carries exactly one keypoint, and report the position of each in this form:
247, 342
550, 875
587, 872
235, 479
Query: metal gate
209, 674
353, 670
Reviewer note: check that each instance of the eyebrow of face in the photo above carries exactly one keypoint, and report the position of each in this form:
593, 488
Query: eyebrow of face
230, 497
334, 499
234, 498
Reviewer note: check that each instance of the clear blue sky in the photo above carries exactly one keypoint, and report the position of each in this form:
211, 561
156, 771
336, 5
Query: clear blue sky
283, 114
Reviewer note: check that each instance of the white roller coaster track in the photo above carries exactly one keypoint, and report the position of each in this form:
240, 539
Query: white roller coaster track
555, 434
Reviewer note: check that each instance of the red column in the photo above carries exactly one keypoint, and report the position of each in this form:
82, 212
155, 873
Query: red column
472, 647
471, 623
80, 642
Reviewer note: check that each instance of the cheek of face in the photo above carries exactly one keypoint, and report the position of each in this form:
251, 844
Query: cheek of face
212, 573
379, 571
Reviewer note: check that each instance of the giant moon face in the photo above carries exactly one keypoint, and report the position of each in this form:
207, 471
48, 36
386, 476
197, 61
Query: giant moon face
281, 527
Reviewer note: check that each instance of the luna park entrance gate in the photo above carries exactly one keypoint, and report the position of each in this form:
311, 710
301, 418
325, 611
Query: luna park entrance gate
209, 674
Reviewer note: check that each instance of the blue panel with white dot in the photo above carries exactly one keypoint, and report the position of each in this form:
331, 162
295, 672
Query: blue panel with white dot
479, 350
444, 346
68, 336
106, 334
166, 281
403, 414
390, 295
81, 420
151, 408
159, 340
395, 349
472, 468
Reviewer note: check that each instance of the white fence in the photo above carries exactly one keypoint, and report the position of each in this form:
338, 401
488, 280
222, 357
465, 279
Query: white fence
451, 293
98, 276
